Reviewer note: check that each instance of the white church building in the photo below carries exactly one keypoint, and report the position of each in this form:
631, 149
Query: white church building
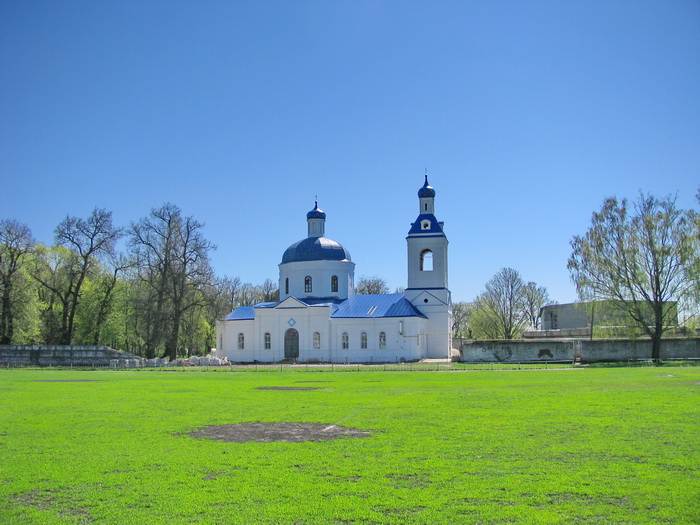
320, 318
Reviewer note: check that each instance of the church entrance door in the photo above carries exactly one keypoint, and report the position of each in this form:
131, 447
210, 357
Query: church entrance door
291, 344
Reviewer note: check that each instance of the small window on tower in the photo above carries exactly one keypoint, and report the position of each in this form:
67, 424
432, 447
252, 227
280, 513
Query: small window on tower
334, 284
425, 225
286, 286
307, 284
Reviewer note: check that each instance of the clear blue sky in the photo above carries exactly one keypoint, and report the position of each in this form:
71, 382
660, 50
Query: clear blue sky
526, 114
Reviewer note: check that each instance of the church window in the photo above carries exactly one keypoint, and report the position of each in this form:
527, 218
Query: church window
425, 206
307, 284
363, 340
241, 341
346, 341
425, 225
317, 340
286, 286
382, 339
426, 261
334, 284
268, 343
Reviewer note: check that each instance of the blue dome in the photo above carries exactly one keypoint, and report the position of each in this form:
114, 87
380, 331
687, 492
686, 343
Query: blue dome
315, 249
316, 213
426, 191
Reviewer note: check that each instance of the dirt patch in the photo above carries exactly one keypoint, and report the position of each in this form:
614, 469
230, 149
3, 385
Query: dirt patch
66, 380
291, 388
276, 432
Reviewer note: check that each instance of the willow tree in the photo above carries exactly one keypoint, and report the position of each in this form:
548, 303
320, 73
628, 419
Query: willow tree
641, 258
80, 244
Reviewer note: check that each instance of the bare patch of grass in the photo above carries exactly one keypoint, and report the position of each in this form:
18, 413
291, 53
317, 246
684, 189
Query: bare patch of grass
277, 432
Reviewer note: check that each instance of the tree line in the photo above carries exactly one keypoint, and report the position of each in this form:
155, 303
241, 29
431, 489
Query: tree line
159, 297
642, 258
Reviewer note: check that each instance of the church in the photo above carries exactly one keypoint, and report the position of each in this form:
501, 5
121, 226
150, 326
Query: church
319, 318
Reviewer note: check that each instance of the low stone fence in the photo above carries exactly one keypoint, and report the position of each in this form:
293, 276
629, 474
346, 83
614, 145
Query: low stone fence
585, 350
55, 355
91, 356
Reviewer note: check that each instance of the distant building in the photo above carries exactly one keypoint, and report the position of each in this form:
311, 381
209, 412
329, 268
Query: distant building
576, 319
319, 318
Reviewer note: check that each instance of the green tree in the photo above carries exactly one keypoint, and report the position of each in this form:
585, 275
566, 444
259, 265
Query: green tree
85, 241
15, 245
641, 258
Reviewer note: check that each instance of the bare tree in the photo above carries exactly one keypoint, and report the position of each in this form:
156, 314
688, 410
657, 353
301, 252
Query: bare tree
461, 313
172, 257
371, 285
535, 297
641, 259
15, 243
270, 291
499, 311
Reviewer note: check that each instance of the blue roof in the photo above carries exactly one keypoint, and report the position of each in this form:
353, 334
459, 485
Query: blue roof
315, 249
241, 313
377, 305
426, 190
316, 213
355, 306
435, 226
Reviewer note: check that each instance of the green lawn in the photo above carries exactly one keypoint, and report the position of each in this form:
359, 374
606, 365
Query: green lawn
598, 445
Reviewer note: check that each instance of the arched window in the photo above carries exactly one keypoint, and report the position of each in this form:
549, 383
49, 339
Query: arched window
241, 341
286, 286
268, 341
334, 284
317, 340
363, 340
346, 341
426, 261
307, 284
382, 339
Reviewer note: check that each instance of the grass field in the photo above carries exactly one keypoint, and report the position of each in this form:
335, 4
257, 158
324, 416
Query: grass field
598, 445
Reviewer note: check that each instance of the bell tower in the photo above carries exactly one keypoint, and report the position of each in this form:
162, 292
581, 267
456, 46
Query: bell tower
427, 274
427, 250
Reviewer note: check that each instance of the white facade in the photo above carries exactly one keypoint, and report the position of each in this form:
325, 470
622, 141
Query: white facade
318, 317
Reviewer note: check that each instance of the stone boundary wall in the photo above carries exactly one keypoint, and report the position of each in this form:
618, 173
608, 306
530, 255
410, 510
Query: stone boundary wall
55, 355
588, 351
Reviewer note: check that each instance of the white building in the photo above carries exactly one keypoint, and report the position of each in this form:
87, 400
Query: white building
319, 318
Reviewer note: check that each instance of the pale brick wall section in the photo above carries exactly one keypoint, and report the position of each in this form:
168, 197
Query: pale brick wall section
588, 351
